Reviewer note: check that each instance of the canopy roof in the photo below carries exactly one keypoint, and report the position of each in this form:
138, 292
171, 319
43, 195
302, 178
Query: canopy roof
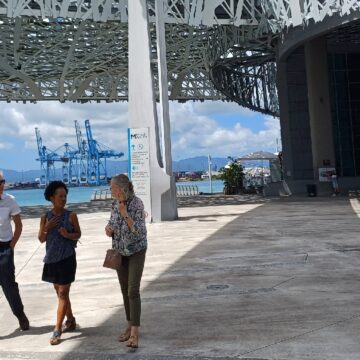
71, 50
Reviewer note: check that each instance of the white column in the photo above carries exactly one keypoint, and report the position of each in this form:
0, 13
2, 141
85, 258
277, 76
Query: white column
142, 108
163, 87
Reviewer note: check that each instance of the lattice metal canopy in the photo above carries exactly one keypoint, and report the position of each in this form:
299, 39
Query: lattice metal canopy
216, 49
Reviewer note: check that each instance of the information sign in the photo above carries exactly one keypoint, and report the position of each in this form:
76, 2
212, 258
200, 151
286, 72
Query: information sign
139, 165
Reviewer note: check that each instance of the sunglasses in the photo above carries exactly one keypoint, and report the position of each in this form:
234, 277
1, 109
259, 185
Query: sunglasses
2, 181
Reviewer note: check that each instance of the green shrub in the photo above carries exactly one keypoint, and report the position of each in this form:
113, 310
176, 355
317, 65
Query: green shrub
232, 175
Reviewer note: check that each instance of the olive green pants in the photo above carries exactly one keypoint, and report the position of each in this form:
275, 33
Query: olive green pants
130, 277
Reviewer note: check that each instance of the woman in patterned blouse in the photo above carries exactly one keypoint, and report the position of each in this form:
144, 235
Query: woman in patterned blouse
128, 231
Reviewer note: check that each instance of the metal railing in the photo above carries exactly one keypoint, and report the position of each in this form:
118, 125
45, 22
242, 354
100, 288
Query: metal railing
181, 190
101, 194
187, 190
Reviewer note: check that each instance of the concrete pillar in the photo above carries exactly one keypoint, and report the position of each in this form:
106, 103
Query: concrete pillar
317, 75
142, 108
168, 198
288, 165
294, 121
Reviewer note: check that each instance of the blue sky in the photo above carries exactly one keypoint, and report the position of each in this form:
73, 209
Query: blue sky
255, 123
218, 128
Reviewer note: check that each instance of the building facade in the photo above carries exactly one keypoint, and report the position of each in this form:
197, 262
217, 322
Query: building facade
318, 78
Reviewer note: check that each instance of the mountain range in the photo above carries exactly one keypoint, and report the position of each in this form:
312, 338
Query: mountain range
199, 163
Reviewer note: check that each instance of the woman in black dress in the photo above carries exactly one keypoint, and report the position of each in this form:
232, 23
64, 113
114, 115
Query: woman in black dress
60, 229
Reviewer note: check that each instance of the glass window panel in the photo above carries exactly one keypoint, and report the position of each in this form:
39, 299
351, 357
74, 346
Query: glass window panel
354, 91
339, 61
340, 77
353, 61
354, 76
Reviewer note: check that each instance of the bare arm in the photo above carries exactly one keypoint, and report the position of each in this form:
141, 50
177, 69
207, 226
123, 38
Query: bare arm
17, 231
42, 230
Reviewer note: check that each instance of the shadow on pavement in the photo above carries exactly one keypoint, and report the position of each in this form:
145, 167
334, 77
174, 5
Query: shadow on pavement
34, 330
258, 283
272, 282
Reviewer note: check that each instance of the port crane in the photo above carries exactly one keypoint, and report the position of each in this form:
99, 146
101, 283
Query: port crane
97, 156
84, 165
47, 160
81, 156
69, 160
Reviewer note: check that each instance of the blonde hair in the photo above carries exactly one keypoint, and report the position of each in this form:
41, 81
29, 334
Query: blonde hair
126, 185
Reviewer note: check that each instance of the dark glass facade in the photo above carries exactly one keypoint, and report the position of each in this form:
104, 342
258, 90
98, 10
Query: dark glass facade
345, 109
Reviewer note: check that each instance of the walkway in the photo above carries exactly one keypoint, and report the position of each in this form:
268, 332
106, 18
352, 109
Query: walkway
250, 280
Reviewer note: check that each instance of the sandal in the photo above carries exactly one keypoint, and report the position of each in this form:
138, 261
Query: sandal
133, 341
125, 336
55, 339
69, 325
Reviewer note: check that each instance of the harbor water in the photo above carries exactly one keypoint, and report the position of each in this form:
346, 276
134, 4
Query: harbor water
33, 197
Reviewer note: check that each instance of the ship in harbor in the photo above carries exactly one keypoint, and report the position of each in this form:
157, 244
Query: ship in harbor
36, 184
22, 185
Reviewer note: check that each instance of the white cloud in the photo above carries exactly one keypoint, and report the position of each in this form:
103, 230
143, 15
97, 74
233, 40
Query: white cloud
195, 127
212, 108
194, 133
56, 122
7, 146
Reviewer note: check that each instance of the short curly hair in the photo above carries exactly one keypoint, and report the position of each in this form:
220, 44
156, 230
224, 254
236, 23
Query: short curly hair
52, 187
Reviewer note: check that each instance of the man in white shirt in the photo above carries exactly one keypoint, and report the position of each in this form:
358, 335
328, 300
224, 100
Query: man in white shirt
9, 210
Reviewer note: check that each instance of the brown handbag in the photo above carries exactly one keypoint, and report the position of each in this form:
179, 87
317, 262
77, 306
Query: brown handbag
112, 259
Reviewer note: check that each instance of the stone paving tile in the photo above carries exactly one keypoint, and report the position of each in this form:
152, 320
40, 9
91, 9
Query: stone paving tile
260, 280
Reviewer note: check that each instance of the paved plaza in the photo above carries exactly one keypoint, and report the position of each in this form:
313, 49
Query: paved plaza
244, 278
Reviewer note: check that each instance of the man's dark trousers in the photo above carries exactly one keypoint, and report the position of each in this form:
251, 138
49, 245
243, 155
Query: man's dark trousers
8, 283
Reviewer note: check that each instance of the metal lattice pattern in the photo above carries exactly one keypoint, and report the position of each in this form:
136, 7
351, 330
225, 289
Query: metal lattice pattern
278, 14
287, 13
245, 74
77, 50
190, 12
82, 61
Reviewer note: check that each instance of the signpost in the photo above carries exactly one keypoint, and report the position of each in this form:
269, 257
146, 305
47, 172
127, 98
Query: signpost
139, 165
326, 173
210, 175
